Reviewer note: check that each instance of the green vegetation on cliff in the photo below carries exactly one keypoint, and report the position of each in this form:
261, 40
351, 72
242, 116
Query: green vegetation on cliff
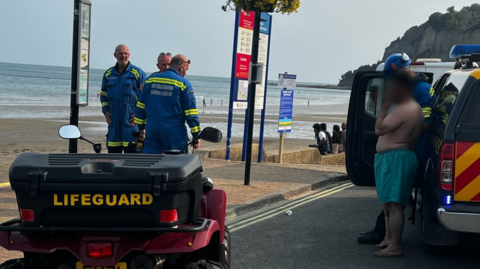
432, 39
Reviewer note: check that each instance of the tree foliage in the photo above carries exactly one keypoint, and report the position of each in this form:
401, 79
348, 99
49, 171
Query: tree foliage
468, 18
279, 6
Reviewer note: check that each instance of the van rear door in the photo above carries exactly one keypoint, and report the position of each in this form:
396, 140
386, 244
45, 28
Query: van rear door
467, 140
366, 101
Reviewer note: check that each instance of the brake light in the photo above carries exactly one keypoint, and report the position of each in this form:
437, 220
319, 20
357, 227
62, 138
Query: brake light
168, 216
27, 215
99, 250
446, 167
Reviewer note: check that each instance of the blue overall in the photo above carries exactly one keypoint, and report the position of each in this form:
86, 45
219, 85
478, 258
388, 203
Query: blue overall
424, 96
119, 95
166, 103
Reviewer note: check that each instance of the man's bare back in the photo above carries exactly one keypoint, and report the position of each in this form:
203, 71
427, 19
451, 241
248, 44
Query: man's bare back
401, 128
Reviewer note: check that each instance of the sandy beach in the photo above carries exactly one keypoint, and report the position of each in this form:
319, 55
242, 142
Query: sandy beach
41, 135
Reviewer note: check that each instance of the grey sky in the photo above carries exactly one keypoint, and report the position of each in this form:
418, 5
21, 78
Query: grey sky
319, 43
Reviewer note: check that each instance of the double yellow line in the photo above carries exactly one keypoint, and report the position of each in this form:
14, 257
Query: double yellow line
281, 210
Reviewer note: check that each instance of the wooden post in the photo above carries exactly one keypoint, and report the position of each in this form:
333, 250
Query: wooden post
280, 150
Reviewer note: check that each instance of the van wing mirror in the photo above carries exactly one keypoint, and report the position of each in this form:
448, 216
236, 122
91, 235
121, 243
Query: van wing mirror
210, 134
69, 132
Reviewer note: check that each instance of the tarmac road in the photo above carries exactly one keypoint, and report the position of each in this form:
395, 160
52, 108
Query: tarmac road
321, 233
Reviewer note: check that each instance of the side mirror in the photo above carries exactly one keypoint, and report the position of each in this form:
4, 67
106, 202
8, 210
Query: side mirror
69, 132
210, 134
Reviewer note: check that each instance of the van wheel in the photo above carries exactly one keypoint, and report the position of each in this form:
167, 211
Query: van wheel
228, 249
15, 264
427, 248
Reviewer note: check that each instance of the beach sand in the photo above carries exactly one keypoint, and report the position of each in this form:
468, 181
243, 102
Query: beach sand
41, 135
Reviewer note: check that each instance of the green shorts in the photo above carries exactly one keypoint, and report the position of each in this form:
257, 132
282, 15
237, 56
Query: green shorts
395, 174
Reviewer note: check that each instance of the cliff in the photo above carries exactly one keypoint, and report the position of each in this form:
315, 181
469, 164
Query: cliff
432, 39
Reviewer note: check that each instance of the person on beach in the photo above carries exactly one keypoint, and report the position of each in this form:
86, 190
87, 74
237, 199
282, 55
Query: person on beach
395, 162
118, 96
168, 101
204, 103
336, 139
329, 137
211, 102
344, 135
163, 63
320, 139
424, 95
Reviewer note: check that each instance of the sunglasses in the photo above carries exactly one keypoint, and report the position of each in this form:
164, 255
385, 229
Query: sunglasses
405, 58
163, 54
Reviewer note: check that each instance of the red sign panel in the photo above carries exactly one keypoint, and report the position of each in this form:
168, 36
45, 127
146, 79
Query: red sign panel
243, 65
244, 44
246, 20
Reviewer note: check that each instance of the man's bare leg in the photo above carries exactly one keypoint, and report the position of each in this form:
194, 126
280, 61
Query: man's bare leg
396, 223
386, 241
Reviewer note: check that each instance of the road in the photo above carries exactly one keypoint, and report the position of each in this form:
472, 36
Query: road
322, 232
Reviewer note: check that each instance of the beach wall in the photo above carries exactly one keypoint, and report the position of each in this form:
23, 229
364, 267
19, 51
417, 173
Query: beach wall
304, 156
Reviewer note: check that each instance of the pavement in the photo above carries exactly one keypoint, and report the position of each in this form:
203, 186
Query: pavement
270, 183
321, 232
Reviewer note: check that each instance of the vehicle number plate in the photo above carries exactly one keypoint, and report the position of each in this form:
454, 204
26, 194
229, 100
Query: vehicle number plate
120, 265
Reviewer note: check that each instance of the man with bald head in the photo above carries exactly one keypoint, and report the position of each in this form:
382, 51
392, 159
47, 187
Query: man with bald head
168, 101
118, 96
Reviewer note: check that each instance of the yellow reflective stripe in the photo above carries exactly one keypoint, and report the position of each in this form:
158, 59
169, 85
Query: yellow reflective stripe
167, 81
141, 105
427, 109
105, 104
125, 144
195, 129
109, 71
135, 72
139, 121
103, 93
191, 112
426, 116
432, 92
115, 144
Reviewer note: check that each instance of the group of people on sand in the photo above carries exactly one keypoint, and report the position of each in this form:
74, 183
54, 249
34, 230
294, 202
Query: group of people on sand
327, 143
166, 98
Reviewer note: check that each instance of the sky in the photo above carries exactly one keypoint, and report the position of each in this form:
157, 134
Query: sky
325, 39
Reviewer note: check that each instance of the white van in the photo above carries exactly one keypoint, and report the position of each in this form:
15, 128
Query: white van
428, 65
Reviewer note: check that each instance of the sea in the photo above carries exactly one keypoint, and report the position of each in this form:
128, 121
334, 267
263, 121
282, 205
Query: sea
36, 91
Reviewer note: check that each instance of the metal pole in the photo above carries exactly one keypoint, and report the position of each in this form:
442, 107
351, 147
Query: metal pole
232, 90
73, 143
280, 150
245, 130
251, 101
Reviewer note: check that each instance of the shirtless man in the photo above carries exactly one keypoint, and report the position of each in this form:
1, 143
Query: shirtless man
395, 162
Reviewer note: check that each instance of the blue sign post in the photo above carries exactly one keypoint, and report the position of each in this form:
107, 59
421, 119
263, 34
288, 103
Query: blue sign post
265, 29
284, 117
261, 93
286, 112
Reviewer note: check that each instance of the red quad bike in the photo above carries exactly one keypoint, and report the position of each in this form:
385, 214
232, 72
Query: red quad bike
116, 211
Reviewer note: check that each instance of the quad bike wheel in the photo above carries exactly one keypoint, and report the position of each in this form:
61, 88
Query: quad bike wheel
228, 249
15, 264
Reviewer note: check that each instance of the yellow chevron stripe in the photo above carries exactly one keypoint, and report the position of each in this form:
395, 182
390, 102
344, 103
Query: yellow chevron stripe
469, 191
467, 159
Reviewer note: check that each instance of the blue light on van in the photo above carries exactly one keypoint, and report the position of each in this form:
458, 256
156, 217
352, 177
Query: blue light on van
448, 199
465, 51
